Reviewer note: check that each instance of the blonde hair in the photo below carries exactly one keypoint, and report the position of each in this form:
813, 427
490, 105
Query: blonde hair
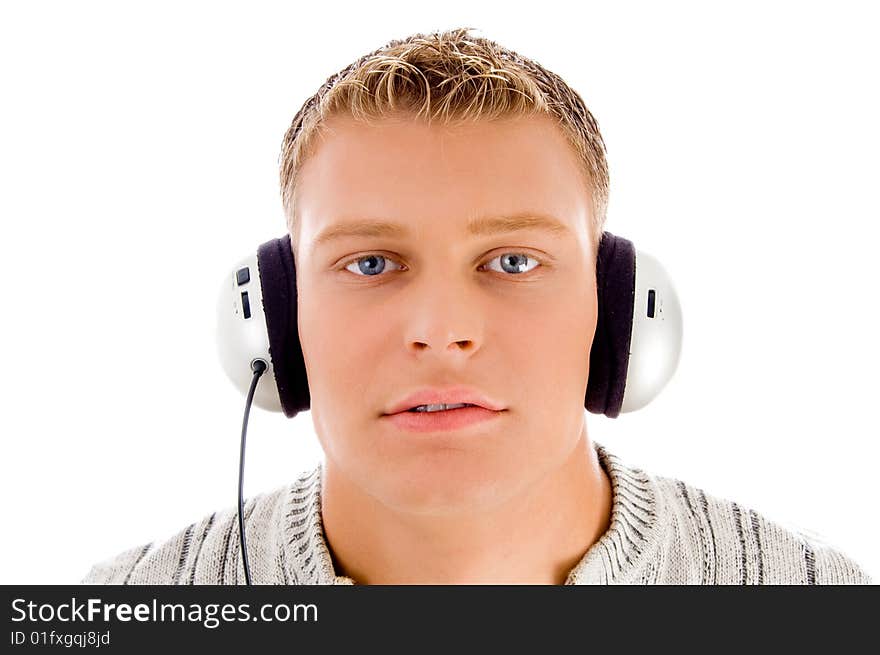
449, 76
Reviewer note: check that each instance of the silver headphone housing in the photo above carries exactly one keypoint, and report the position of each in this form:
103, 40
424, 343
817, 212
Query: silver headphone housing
655, 344
242, 340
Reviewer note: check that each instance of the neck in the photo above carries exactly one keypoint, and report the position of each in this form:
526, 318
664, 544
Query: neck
535, 537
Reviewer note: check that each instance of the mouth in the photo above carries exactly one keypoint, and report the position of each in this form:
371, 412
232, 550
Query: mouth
441, 418
431, 409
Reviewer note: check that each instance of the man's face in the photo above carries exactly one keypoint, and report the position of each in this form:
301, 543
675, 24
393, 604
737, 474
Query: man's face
382, 316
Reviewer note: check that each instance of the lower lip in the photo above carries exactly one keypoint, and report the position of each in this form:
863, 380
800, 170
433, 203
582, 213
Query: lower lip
448, 419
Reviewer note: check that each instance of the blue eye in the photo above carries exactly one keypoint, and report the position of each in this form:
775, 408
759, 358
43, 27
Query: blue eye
514, 262
370, 265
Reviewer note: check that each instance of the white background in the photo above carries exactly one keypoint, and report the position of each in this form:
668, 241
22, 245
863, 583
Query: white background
138, 159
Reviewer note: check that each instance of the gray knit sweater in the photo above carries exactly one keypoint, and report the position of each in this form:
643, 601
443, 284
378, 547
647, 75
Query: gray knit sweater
662, 531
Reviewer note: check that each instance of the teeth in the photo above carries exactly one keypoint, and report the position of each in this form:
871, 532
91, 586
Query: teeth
438, 408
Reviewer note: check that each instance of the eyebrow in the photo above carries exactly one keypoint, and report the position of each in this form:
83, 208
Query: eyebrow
482, 226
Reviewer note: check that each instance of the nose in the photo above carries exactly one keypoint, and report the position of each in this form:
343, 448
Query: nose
444, 319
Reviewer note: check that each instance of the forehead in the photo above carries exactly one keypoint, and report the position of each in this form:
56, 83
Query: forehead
402, 171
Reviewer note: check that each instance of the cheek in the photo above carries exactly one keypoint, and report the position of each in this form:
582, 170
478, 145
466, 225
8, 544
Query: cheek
549, 355
342, 350
554, 331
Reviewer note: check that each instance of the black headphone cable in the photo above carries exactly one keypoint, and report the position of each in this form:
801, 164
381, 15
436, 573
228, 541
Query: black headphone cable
258, 366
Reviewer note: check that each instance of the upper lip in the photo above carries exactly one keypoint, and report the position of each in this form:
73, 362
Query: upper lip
446, 396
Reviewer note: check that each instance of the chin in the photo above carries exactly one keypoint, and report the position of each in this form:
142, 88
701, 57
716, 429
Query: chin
446, 489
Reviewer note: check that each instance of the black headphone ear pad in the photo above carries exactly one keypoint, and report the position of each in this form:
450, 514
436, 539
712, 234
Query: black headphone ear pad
609, 354
277, 269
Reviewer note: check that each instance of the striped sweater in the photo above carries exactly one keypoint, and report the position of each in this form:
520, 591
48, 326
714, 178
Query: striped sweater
662, 531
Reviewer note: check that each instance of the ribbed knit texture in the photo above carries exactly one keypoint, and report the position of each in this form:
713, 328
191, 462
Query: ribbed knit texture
662, 531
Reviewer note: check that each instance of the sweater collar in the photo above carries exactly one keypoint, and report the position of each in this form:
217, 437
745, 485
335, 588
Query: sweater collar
307, 559
632, 536
620, 552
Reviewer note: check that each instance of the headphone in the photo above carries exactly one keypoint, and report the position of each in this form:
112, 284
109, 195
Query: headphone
635, 349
